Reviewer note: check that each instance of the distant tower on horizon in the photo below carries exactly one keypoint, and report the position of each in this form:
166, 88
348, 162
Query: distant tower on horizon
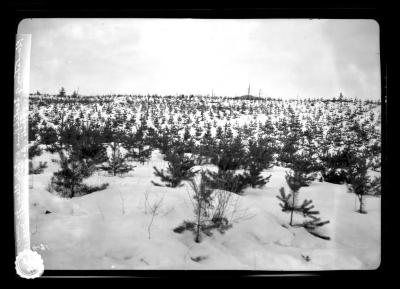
248, 91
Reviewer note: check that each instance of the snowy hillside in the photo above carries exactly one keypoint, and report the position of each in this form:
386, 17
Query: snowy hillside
109, 229
113, 183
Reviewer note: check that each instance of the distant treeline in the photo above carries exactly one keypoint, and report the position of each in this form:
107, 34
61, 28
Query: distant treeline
217, 99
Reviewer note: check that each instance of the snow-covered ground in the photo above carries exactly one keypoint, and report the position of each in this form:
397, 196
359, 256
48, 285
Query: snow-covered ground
110, 229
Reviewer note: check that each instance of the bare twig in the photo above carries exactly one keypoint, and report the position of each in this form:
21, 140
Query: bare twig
223, 200
154, 209
146, 200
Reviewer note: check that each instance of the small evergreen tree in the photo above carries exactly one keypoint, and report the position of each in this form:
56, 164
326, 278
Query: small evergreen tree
228, 156
62, 92
33, 130
258, 159
289, 148
288, 204
188, 142
207, 147
48, 135
80, 153
198, 132
164, 141
117, 162
34, 151
75, 94
360, 182
219, 133
138, 146
294, 181
68, 181
208, 216
203, 200
179, 168
90, 150
228, 181
303, 167
335, 166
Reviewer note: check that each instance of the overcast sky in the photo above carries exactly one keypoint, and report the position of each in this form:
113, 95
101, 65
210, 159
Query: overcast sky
283, 58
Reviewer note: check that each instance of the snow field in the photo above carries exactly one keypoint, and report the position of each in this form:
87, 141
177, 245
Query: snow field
109, 229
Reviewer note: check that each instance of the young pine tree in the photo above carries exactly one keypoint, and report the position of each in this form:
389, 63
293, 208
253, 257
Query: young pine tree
294, 181
359, 181
335, 166
229, 156
188, 141
202, 197
80, 154
34, 151
115, 139
68, 180
303, 168
207, 147
179, 168
164, 141
259, 157
48, 135
138, 146
311, 221
62, 92
117, 161
33, 129
208, 215
90, 150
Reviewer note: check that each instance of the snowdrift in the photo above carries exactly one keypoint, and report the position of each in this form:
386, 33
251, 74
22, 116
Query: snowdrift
110, 229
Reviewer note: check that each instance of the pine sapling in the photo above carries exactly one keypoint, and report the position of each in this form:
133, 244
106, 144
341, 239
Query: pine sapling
311, 222
117, 162
179, 169
360, 182
259, 158
208, 216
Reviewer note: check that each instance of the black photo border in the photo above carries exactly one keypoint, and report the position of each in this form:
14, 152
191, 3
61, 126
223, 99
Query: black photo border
43, 9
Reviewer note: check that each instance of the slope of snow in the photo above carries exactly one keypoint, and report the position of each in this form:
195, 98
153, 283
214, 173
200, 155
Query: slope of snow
109, 229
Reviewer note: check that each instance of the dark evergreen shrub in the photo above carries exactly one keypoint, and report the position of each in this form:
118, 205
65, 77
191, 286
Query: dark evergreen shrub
179, 168
48, 136
228, 181
259, 157
68, 181
206, 218
117, 163
335, 166
303, 169
311, 221
360, 183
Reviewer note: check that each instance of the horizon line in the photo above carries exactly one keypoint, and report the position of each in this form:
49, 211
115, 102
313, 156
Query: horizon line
207, 95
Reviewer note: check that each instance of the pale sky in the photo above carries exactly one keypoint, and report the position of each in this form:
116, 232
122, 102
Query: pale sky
282, 57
